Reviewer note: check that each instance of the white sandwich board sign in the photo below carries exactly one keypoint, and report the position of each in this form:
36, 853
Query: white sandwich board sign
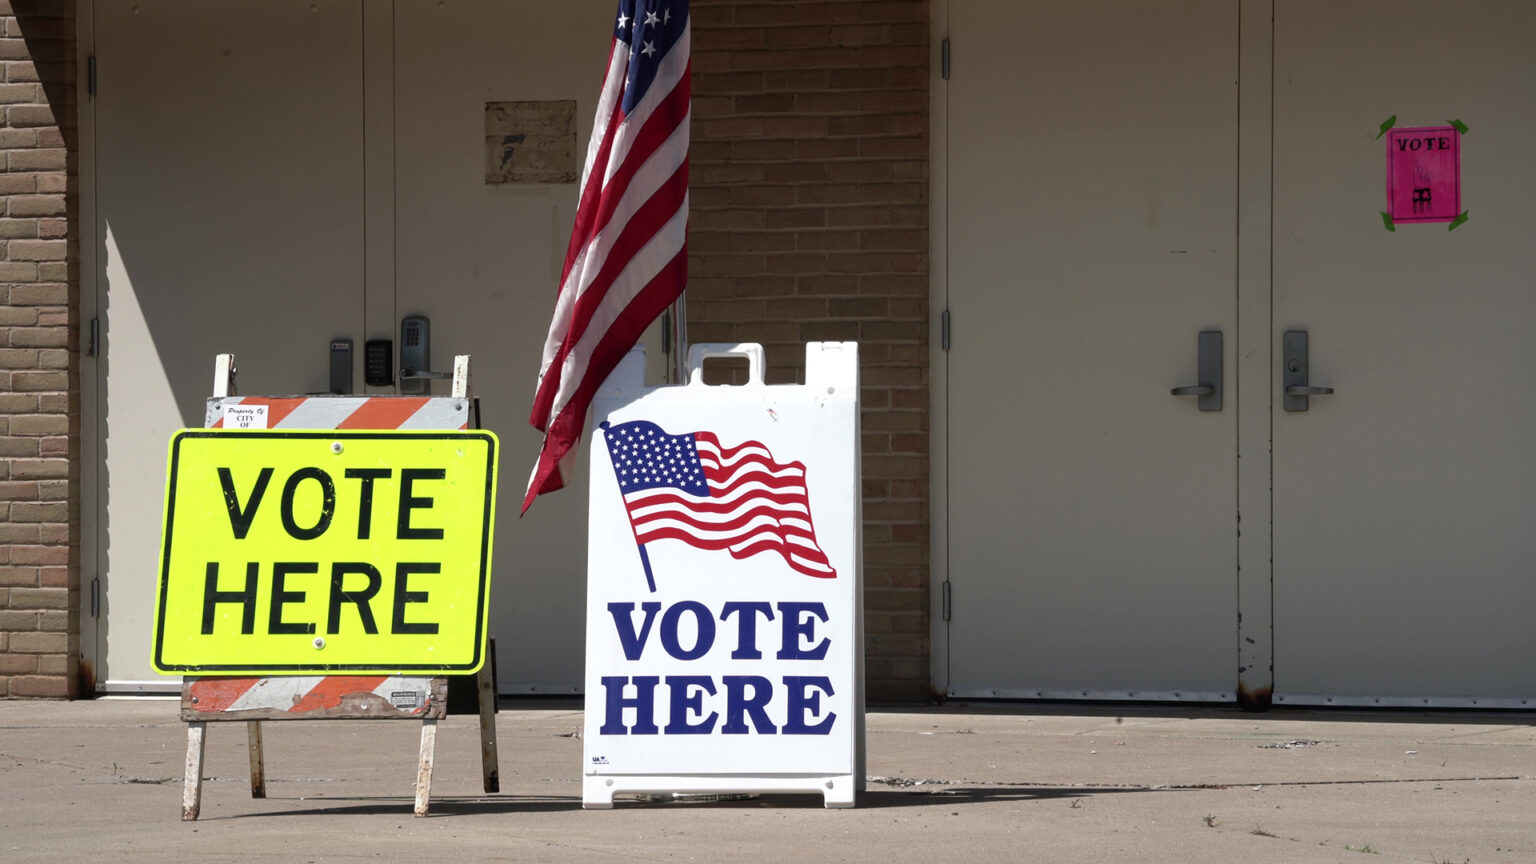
724, 571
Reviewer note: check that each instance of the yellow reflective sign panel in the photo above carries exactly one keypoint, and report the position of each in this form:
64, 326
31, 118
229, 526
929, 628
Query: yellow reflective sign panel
325, 551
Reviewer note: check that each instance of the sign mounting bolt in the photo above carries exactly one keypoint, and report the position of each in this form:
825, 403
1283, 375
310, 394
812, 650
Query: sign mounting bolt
319, 643
336, 447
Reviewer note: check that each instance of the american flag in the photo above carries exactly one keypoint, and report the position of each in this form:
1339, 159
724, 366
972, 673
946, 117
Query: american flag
628, 255
692, 488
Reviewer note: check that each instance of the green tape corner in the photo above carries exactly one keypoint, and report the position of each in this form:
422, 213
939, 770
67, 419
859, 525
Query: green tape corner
1455, 223
1460, 127
1387, 124
1386, 221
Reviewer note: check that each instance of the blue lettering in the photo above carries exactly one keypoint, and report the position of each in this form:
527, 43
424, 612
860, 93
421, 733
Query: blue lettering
738, 705
802, 702
746, 627
704, 637
796, 629
685, 703
644, 703
624, 622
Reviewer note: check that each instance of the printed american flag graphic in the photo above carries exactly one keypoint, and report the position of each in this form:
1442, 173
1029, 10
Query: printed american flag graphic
628, 255
692, 488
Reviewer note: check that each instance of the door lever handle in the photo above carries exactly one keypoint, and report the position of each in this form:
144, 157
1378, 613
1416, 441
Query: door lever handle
1295, 372
1208, 373
416, 374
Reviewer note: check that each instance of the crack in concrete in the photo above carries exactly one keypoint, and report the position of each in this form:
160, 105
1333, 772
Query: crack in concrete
912, 782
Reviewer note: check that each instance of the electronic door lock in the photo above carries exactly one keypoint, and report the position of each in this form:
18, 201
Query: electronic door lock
416, 372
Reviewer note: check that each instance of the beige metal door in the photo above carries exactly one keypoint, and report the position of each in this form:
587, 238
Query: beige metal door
483, 262
1403, 504
262, 208
1091, 194
228, 201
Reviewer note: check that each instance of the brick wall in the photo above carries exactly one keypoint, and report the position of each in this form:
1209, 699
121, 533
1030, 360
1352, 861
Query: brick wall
39, 372
809, 215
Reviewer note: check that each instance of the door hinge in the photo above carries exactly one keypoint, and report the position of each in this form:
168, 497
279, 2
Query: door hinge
96, 597
945, 610
943, 59
93, 342
944, 330
90, 75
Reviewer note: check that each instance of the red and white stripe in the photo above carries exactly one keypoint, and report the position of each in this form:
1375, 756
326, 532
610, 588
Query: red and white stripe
302, 694
755, 505
627, 258
349, 412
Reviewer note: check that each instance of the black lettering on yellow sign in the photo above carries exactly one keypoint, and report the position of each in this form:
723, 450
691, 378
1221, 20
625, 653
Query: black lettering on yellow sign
379, 541
360, 599
327, 503
240, 518
365, 496
283, 593
409, 502
242, 515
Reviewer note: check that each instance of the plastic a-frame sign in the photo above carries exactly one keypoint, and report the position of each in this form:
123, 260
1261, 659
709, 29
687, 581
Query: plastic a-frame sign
724, 613
326, 551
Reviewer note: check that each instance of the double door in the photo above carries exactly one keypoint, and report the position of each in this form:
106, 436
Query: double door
266, 176
1118, 179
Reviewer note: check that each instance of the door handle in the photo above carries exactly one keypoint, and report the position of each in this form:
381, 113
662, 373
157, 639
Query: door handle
1295, 371
1208, 373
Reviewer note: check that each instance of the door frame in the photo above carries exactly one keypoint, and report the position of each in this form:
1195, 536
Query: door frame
92, 235
1254, 627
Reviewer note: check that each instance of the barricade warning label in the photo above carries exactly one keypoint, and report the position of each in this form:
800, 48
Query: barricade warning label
289, 552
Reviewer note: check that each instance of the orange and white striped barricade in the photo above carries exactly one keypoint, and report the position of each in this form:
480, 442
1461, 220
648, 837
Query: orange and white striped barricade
252, 699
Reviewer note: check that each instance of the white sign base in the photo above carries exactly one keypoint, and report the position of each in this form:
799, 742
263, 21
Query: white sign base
724, 584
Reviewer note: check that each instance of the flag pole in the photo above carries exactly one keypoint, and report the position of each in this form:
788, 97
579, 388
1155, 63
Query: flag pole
645, 561
679, 340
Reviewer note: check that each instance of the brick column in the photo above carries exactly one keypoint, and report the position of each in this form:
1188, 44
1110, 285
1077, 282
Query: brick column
809, 222
39, 366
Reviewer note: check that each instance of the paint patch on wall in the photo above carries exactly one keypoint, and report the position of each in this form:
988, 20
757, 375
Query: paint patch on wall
1424, 174
530, 142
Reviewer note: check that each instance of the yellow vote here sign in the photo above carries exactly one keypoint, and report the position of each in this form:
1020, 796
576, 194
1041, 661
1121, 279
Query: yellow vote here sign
289, 552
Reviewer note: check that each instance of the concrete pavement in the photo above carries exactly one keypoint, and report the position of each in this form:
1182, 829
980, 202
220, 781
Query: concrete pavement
92, 779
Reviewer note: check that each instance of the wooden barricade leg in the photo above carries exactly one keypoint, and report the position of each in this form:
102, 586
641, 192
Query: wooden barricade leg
485, 683
258, 768
192, 787
424, 769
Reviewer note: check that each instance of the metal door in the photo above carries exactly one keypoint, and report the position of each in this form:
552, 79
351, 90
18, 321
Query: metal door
1090, 178
483, 262
228, 202
1403, 505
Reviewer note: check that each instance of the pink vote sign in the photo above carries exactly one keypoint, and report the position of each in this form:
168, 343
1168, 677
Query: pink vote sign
1424, 174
